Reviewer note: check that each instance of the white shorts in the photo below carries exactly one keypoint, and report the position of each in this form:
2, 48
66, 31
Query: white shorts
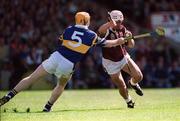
58, 65
114, 67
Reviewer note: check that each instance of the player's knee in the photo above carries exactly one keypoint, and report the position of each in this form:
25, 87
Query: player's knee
139, 76
63, 82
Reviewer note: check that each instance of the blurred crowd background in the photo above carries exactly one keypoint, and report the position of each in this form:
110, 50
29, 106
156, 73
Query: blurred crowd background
29, 31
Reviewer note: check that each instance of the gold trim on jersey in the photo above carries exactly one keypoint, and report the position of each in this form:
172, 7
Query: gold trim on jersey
94, 40
82, 48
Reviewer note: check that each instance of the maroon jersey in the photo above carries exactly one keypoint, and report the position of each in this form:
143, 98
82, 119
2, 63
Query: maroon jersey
114, 53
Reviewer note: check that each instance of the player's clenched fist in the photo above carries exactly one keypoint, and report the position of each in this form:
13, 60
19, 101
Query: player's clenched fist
128, 33
130, 42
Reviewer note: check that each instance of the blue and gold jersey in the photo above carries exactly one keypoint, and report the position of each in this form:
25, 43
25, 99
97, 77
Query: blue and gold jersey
76, 41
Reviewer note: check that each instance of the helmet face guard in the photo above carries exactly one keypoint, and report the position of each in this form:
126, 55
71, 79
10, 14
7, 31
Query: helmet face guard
116, 15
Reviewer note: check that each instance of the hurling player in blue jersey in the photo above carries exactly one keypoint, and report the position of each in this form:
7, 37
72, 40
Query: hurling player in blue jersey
76, 41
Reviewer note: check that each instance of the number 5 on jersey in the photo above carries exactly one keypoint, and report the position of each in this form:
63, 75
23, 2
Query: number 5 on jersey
76, 43
76, 36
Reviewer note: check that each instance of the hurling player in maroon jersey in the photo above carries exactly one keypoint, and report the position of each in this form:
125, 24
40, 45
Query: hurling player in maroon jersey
116, 58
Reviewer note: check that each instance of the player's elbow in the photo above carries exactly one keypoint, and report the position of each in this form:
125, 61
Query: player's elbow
101, 31
103, 28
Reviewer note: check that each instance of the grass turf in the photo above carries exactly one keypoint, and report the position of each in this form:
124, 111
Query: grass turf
95, 105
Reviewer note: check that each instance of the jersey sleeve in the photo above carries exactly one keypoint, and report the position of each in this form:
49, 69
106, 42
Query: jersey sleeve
98, 41
61, 37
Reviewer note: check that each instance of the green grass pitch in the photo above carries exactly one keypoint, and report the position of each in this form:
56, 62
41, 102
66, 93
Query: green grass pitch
95, 105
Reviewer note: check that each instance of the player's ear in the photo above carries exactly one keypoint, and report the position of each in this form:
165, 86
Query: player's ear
61, 38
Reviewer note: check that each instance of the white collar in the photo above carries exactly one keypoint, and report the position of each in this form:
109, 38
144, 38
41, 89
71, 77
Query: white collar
81, 26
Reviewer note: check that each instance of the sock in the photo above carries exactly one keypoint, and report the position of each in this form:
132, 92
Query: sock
128, 99
11, 94
133, 83
48, 105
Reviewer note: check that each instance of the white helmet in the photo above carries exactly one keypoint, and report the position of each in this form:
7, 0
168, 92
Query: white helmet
116, 15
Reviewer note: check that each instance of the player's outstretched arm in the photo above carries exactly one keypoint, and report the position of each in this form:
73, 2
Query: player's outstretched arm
103, 28
116, 42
